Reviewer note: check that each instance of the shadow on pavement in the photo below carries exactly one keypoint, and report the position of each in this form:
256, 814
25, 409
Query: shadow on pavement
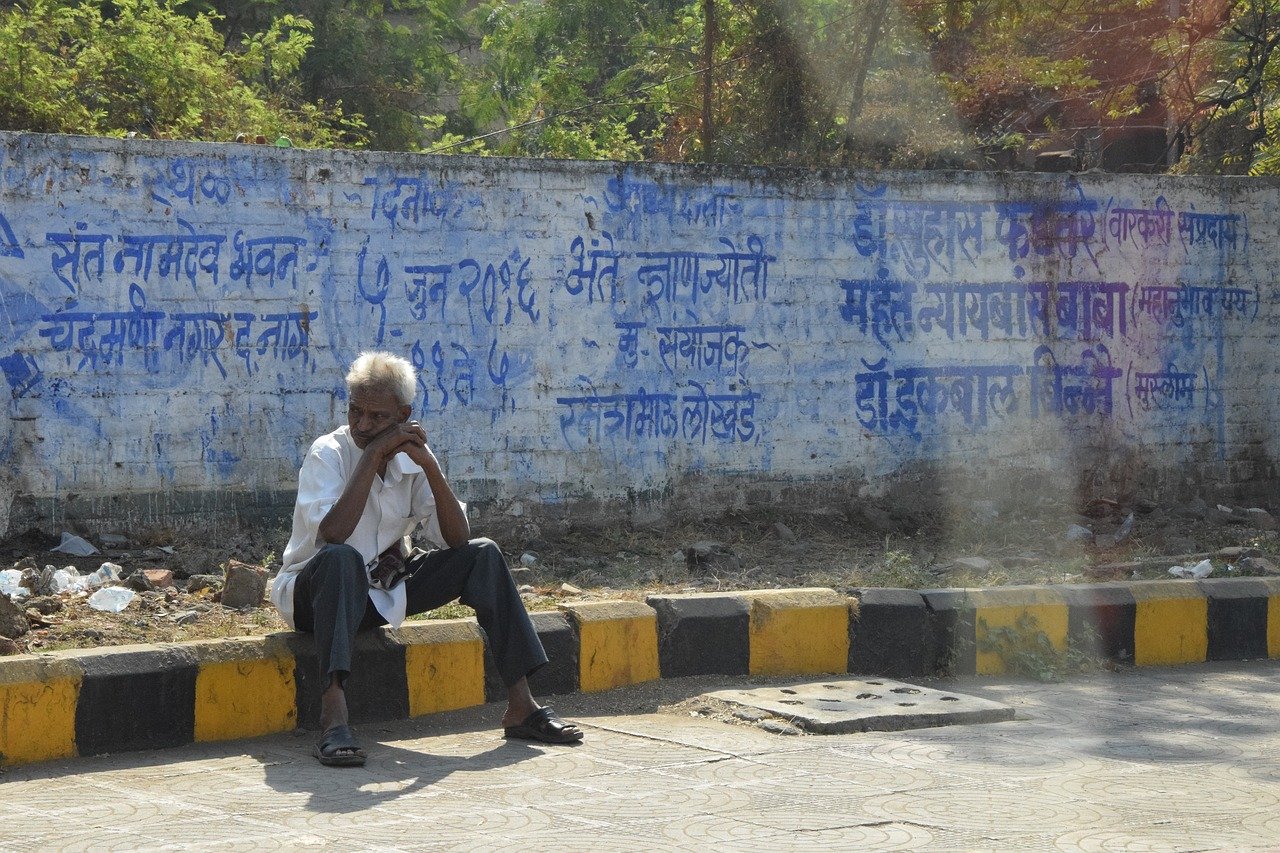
392, 772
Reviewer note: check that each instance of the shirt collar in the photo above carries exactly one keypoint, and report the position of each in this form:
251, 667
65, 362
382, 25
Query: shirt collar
401, 466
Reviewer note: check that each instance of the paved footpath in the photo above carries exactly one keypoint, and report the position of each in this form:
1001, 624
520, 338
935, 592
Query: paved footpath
1186, 758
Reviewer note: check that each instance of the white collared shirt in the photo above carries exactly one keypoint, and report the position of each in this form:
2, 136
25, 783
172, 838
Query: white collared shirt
398, 501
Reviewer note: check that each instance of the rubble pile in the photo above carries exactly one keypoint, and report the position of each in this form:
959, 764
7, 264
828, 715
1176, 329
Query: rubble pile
49, 606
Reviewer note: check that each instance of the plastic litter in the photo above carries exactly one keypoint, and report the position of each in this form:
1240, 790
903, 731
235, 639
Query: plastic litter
1202, 569
107, 573
74, 545
67, 580
11, 584
528, 559
1125, 530
1076, 533
111, 599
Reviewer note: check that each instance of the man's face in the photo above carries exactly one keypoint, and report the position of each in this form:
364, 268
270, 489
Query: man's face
371, 413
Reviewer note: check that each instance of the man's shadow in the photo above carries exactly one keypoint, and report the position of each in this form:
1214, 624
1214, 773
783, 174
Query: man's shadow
380, 693
391, 772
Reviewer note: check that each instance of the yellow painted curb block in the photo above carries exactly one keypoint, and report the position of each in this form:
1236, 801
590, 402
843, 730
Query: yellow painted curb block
1003, 607
1171, 623
444, 664
798, 631
1273, 626
244, 688
38, 698
618, 643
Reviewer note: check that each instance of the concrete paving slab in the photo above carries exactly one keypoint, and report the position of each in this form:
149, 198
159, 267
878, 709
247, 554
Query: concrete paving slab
654, 775
841, 705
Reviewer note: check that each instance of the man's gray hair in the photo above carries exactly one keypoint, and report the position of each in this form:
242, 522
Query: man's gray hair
382, 372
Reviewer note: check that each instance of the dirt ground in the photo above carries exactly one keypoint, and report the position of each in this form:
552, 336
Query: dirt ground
557, 563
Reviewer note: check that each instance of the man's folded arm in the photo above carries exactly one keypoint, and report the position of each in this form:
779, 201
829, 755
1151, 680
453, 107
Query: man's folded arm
340, 521
452, 518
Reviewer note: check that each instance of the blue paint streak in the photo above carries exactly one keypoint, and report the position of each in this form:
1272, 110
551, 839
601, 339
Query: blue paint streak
19, 310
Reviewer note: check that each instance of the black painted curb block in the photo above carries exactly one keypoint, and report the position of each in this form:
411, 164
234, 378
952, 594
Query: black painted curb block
1101, 620
1237, 617
951, 646
892, 634
136, 697
702, 634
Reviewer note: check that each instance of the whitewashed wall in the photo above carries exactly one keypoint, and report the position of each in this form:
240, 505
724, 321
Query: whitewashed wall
176, 319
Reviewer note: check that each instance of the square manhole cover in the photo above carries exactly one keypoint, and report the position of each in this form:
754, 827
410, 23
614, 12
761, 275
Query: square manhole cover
875, 705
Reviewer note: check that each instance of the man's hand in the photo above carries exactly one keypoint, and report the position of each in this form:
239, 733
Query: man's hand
406, 437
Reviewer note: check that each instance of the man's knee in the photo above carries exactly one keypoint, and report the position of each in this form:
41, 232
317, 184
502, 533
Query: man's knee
339, 558
486, 559
483, 546
485, 552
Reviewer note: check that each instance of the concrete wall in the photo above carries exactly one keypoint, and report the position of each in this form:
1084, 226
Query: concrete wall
176, 319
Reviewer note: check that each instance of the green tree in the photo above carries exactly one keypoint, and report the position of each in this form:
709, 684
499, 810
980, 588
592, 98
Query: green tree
809, 82
140, 65
393, 62
833, 82
909, 84
1223, 82
569, 78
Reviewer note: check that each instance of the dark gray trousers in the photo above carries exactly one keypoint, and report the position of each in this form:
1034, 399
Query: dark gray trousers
331, 600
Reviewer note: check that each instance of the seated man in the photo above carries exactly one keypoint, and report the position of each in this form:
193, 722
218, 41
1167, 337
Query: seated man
362, 490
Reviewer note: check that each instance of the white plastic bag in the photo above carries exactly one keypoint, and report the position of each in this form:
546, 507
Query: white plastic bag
107, 573
1202, 569
74, 545
111, 599
11, 584
67, 580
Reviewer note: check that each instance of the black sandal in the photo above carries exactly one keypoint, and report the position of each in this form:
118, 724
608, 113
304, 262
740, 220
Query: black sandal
338, 747
546, 726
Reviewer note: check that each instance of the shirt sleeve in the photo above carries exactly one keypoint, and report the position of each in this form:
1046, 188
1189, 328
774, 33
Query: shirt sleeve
320, 484
424, 508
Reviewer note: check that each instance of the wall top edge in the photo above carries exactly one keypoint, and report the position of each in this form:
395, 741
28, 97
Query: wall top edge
689, 171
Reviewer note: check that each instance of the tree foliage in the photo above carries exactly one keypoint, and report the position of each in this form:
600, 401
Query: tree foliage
799, 82
141, 65
389, 60
911, 83
1223, 83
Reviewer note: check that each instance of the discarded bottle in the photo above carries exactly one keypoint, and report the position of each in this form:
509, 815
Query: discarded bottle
111, 599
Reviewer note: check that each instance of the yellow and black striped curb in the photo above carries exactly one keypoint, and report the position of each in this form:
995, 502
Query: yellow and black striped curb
88, 702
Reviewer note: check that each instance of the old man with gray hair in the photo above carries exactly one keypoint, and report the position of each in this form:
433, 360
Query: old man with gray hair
362, 490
